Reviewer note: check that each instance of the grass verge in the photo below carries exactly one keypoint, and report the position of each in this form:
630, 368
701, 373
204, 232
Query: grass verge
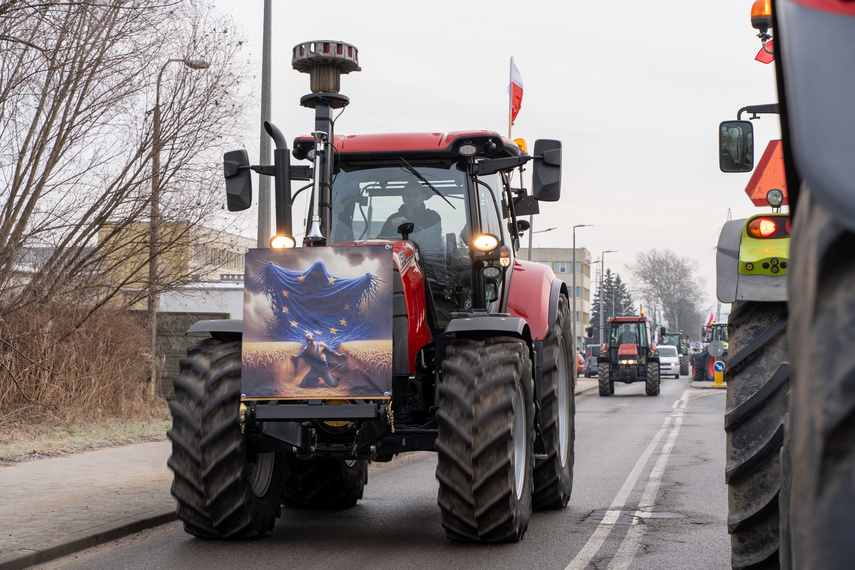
25, 442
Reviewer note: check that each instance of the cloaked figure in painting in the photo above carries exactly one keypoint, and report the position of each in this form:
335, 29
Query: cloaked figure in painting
319, 368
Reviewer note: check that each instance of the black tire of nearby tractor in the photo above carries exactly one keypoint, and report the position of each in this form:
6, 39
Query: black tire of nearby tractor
606, 384
699, 372
784, 552
219, 493
684, 365
757, 386
485, 440
323, 483
553, 476
822, 400
651, 382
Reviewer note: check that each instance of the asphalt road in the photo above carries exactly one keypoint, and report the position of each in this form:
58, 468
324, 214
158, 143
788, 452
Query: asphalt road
649, 492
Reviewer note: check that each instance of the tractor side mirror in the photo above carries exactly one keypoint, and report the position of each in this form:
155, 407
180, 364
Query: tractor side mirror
662, 331
238, 180
546, 172
736, 146
590, 332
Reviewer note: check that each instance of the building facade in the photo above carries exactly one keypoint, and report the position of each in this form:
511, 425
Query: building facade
561, 261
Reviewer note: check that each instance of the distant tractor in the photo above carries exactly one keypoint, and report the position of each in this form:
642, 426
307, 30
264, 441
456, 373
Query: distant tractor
679, 340
628, 356
714, 349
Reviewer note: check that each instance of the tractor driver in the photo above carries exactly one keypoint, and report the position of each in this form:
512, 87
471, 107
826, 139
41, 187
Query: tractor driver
413, 210
627, 336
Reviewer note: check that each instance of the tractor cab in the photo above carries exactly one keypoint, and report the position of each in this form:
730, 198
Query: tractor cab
629, 340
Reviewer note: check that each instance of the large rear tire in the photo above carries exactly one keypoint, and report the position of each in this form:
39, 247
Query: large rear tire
651, 382
323, 483
684, 365
485, 440
606, 384
219, 493
822, 399
757, 387
701, 367
553, 476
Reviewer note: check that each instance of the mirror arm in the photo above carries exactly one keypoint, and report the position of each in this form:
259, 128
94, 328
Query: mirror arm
771, 108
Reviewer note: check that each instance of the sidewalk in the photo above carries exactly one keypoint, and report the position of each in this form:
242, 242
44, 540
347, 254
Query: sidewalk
53, 507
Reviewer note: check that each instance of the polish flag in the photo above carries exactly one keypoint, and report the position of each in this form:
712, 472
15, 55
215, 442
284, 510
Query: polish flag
515, 90
764, 56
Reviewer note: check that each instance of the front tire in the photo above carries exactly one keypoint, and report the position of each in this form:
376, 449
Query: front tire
757, 387
485, 440
553, 476
651, 382
606, 384
219, 493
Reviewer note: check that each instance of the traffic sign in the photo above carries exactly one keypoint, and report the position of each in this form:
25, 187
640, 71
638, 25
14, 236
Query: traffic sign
718, 366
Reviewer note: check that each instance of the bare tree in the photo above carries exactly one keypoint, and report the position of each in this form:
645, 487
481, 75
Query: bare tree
666, 280
77, 86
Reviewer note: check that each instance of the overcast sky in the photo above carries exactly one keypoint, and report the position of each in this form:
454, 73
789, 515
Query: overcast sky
634, 90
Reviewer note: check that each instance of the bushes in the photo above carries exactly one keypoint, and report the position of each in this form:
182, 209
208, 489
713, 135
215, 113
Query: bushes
53, 370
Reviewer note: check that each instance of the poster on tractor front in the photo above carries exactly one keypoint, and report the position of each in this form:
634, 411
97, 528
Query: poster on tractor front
317, 323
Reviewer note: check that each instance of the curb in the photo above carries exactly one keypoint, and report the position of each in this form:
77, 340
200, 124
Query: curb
85, 539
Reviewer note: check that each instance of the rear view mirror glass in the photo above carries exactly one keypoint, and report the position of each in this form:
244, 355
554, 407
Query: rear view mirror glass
736, 146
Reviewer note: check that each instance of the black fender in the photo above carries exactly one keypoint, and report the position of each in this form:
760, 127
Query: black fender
220, 329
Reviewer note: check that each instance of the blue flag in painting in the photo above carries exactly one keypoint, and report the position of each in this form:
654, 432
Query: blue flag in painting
316, 301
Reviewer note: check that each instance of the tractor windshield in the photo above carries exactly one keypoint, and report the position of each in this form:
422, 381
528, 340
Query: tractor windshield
372, 201
628, 333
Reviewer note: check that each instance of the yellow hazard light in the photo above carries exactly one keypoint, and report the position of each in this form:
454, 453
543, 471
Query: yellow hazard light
761, 14
762, 227
521, 144
505, 256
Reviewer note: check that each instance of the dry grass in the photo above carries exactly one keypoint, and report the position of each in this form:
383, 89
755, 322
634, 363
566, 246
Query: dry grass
68, 384
26, 442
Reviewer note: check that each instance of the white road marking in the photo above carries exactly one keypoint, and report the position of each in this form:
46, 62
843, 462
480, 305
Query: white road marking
629, 545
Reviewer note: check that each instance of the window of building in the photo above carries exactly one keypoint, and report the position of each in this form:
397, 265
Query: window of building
562, 267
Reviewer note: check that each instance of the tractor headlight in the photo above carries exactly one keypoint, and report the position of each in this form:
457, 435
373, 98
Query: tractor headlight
486, 242
282, 242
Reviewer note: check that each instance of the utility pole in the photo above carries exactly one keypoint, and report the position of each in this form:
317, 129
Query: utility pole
263, 239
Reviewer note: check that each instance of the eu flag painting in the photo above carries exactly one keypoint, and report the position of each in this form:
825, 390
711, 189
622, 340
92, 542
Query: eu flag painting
317, 323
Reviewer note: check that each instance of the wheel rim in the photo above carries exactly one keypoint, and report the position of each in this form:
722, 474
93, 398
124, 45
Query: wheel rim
520, 440
563, 404
262, 473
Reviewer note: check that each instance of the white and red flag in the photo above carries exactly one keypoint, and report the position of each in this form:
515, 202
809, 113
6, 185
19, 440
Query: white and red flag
515, 91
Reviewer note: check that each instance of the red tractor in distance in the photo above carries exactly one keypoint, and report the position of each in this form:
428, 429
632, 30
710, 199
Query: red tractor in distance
628, 356
404, 323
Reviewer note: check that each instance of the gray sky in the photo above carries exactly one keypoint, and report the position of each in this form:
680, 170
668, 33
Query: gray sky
634, 90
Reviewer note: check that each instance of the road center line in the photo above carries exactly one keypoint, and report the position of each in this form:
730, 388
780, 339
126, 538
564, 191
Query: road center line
633, 537
584, 557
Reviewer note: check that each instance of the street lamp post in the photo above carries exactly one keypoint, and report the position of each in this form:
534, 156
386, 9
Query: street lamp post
577, 340
155, 213
602, 304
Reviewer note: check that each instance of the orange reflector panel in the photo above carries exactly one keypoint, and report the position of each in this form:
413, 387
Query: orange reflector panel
762, 227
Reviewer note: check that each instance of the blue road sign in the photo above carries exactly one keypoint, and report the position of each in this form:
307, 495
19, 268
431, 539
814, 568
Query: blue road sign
718, 366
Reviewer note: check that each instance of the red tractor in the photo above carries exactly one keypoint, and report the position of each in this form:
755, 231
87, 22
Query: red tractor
629, 356
404, 323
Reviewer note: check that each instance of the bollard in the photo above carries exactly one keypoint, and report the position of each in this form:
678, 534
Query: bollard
718, 367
